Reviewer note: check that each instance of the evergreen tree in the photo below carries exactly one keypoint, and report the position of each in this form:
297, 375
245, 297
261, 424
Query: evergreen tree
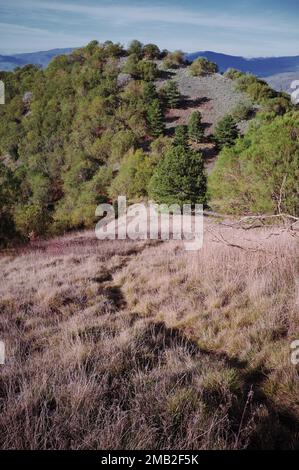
131, 65
259, 174
135, 47
226, 131
171, 94
179, 178
181, 137
195, 127
149, 92
151, 51
147, 70
155, 118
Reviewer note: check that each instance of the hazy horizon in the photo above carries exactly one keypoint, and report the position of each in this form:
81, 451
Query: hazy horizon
241, 28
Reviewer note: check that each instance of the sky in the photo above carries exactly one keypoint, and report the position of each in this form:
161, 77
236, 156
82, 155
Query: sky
251, 28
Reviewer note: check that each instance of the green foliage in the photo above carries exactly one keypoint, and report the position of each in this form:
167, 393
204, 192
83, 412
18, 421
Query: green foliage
179, 178
31, 220
242, 111
66, 130
181, 137
155, 118
159, 147
131, 65
133, 177
278, 106
258, 90
147, 70
195, 127
233, 74
171, 94
135, 47
62, 142
174, 60
201, 66
149, 92
151, 51
226, 131
140, 69
9, 186
260, 173
261, 93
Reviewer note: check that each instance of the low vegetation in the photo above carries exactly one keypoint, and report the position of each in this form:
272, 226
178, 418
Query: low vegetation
202, 66
104, 352
259, 174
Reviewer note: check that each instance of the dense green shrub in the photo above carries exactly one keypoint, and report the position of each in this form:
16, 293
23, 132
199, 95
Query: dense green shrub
155, 118
242, 111
179, 178
202, 66
135, 47
174, 60
195, 127
181, 137
259, 174
151, 51
133, 176
171, 94
226, 131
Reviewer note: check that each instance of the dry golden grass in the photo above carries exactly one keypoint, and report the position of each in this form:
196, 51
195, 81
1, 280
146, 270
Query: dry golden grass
130, 345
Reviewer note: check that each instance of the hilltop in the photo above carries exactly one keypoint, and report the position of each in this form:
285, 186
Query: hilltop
270, 68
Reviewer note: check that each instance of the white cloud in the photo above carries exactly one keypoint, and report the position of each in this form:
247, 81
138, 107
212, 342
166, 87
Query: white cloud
129, 14
16, 34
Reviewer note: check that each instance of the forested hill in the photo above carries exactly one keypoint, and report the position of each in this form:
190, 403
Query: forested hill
104, 121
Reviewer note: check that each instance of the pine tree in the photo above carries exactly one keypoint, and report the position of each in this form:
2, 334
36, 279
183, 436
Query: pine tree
155, 118
171, 94
179, 178
195, 127
226, 131
149, 92
135, 47
181, 137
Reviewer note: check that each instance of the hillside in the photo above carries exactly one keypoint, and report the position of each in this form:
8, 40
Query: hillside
214, 96
97, 123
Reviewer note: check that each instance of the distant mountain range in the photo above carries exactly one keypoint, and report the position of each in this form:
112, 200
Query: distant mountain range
42, 58
260, 66
279, 72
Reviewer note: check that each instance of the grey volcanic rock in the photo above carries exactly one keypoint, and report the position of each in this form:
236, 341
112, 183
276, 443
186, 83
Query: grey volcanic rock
213, 95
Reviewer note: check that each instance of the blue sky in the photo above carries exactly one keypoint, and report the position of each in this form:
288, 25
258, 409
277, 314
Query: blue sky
244, 27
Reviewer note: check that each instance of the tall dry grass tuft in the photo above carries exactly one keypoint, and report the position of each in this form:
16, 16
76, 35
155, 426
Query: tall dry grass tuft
138, 345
